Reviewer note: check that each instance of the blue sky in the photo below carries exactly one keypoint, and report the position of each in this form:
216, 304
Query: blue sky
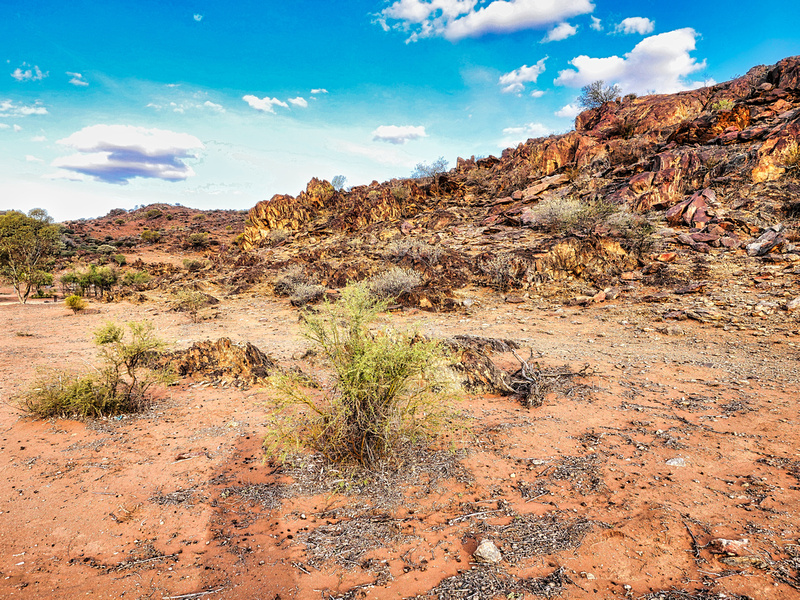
220, 105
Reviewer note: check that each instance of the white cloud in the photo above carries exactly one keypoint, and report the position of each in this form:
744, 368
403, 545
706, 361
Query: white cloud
596, 25
264, 104
214, 106
118, 153
514, 82
319, 91
513, 136
9, 109
31, 158
458, 19
395, 134
560, 32
537, 93
187, 105
34, 74
198, 17
658, 63
640, 25
570, 111
299, 101
4, 126
38, 138
77, 79
17, 128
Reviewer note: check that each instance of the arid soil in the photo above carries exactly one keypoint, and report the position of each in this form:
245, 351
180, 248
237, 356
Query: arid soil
678, 433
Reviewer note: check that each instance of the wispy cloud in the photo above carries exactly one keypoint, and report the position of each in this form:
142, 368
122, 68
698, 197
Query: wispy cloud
395, 134
198, 17
119, 153
299, 101
597, 24
560, 32
184, 106
659, 63
33, 159
458, 19
640, 25
28, 74
512, 136
265, 104
10, 109
317, 91
77, 79
514, 82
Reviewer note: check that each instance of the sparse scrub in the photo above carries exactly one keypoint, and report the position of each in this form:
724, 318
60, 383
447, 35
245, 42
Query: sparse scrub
791, 160
307, 293
193, 264
724, 104
153, 213
400, 193
387, 389
565, 215
192, 301
119, 259
120, 386
75, 303
289, 279
106, 249
277, 236
418, 250
395, 281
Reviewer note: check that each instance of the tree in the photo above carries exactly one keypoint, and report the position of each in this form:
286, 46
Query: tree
598, 93
27, 243
338, 182
433, 169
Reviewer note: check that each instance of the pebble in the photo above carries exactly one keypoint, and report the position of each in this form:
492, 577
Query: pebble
488, 553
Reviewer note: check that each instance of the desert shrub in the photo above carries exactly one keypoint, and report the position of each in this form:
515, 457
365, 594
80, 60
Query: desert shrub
277, 236
120, 386
307, 293
197, 240
500, 271
106, 249
394, 282
289, 279
119, 221
153, 213
791, 160
387, 388
630, 97
192, 301
119, 259
75, 303
136, 278
417, 250
151, 236
193, 264
598, 93
565, 215
724, 104
400, 193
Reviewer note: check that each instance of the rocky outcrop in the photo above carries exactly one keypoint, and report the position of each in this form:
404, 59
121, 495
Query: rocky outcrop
223, 361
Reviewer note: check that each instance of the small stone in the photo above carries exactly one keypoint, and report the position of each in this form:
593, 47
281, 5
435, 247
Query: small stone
793, 305
677, 462
488, 553
515, 299
729, 547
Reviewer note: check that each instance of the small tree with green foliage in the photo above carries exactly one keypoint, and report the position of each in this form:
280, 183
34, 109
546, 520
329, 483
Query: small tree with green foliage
28, 243
598, 93
338, 182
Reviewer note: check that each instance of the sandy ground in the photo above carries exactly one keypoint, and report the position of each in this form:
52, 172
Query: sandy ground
614, 488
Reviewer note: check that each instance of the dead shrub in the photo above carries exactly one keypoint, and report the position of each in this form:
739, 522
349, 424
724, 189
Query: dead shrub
291, 277
307, 293
395, 281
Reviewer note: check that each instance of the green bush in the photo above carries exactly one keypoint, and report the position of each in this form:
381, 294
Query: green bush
387, 389
150, 236
120, 386
192, 301
197, 240
119, 259
106, 249
724, 104
153, 213
75, 303
136, 278
193, 264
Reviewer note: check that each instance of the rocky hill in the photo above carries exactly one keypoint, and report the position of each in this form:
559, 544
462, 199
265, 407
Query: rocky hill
712, 172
